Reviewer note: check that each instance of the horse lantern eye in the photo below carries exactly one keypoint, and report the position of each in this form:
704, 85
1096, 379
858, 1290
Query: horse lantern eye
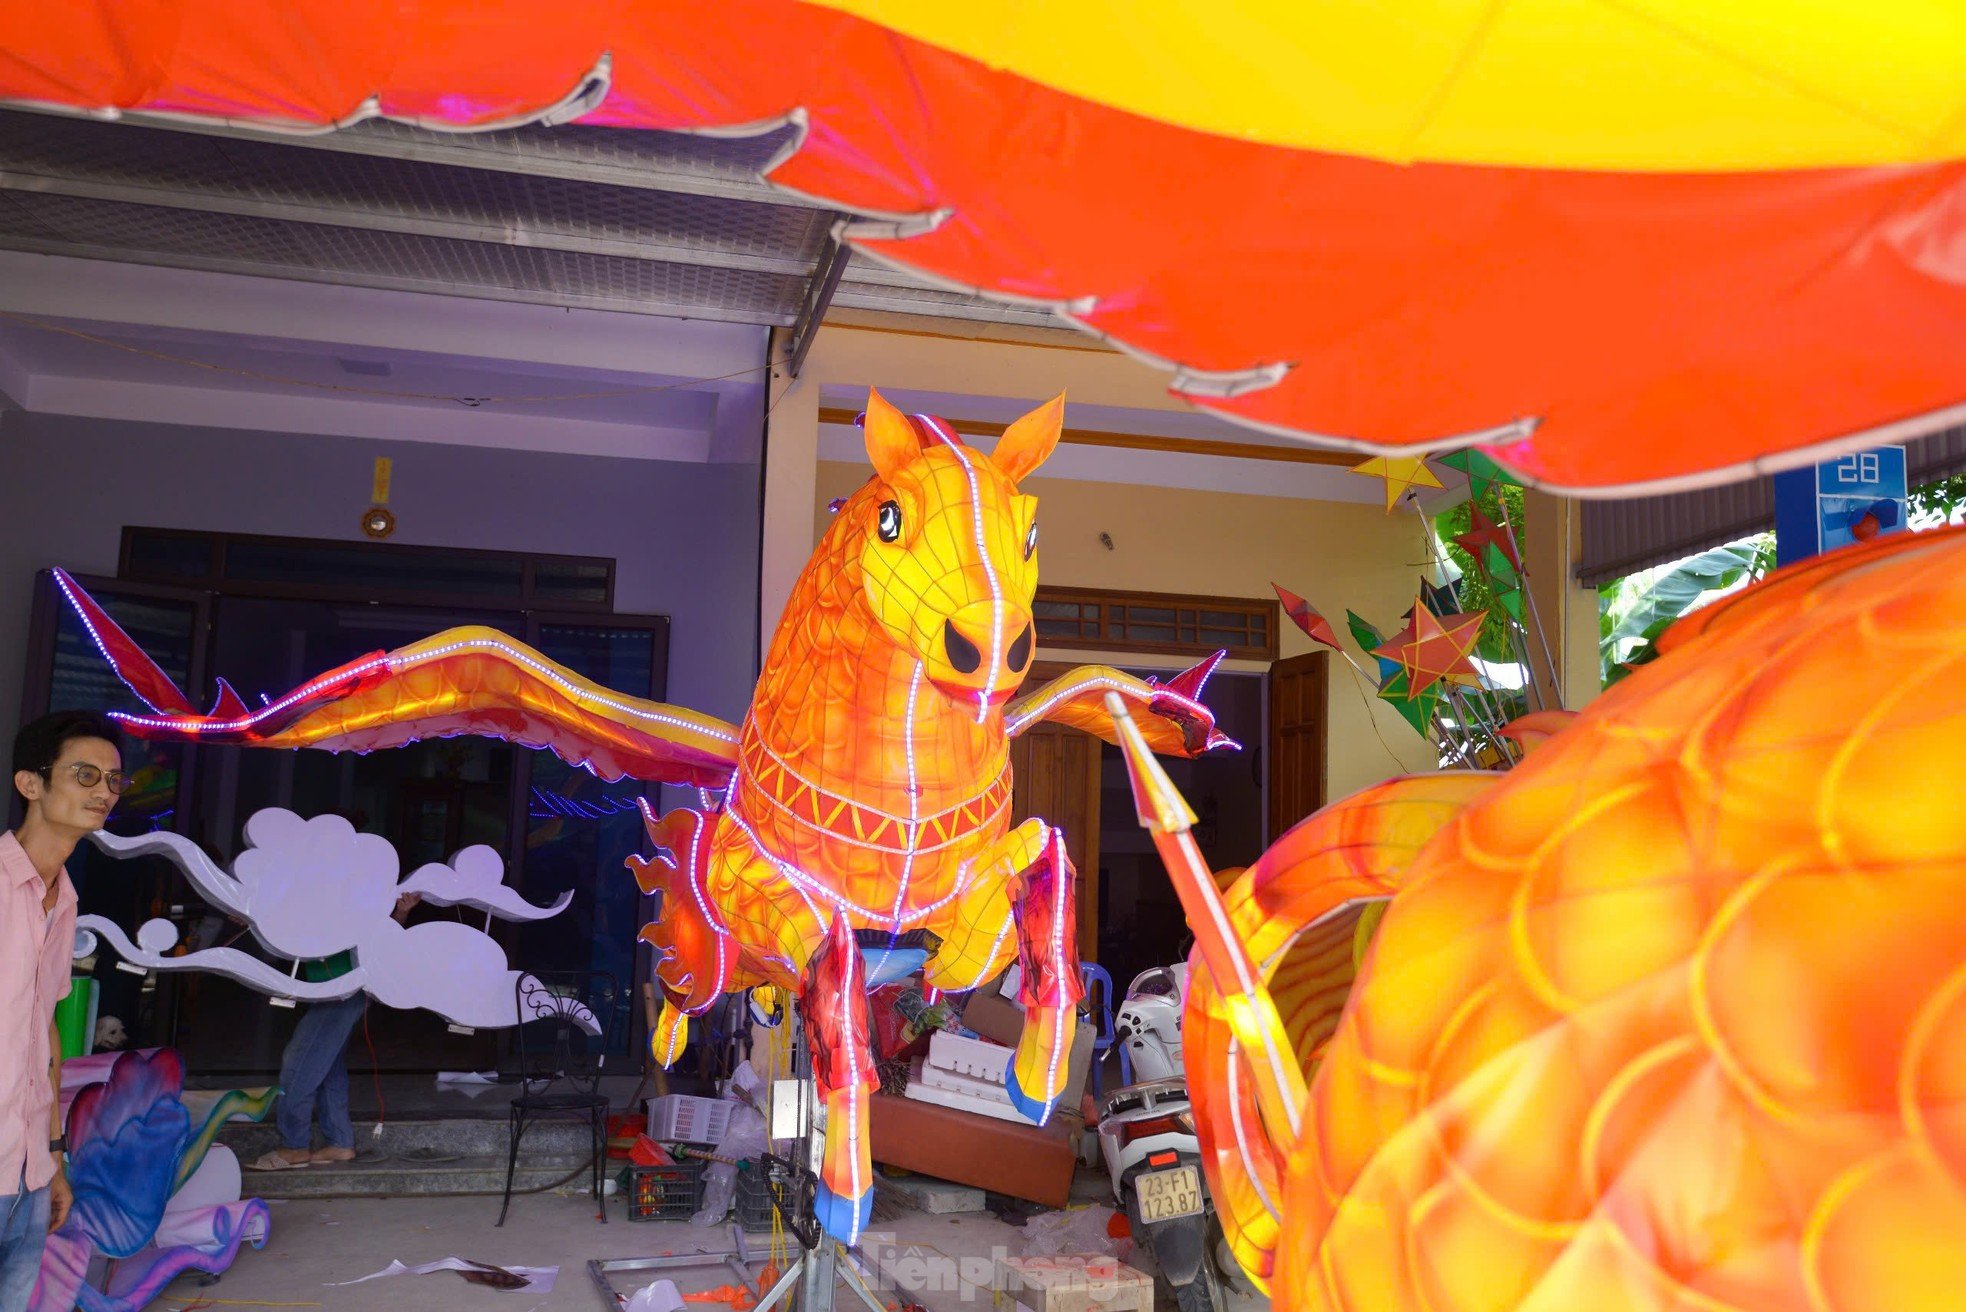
888, 524
1031, 540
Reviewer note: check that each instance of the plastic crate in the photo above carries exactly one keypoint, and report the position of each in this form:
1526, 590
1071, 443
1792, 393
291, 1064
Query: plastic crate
681, 1118
665, 1193
752, 1208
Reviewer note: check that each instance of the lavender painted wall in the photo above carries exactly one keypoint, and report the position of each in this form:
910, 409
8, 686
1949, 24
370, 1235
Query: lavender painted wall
685, 536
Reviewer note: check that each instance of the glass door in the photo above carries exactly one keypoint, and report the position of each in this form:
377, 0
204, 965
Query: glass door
66, 672
580, 830
429, 799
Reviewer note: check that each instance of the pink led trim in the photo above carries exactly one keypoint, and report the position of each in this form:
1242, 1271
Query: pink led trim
1044, 708
88, 626
675, 1036
914, 798
848, 996
578, 694
989, 688
793, 875
989, 956
271, 709
1242, 1139
824, 791
801, 880
695, 848
1057, 964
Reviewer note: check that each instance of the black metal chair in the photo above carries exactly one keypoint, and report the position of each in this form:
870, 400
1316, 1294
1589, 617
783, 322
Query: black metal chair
565, 1018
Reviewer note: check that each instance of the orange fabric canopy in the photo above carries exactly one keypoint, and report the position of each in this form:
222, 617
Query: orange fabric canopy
1601, 331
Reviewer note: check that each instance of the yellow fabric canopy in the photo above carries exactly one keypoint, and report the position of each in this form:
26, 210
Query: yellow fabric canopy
1641, 85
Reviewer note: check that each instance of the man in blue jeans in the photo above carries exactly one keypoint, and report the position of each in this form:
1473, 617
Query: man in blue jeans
314, 1074
68, 771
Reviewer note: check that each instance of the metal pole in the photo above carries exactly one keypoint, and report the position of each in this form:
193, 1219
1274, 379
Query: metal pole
1529, 595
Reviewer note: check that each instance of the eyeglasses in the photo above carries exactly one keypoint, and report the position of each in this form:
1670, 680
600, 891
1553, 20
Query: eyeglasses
90, 775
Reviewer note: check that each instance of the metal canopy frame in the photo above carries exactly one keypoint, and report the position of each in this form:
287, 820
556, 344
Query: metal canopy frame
641, 222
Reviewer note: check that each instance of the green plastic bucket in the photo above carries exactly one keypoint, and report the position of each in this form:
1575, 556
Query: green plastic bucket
73, 1017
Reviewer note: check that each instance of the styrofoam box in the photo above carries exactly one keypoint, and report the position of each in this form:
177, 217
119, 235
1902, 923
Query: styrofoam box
974, 1059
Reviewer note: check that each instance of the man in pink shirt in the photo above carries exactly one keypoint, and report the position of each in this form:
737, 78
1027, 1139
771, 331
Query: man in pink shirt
67, 768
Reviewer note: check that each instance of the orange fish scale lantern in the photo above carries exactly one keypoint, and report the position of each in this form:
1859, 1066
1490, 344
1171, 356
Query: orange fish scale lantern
1672, 1016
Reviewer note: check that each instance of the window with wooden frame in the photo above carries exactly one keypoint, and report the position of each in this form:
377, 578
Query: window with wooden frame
1156, 622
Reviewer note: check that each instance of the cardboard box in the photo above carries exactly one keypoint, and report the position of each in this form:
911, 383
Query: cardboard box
1005, 1157
1075, 1282
996, 1017
1000, 1019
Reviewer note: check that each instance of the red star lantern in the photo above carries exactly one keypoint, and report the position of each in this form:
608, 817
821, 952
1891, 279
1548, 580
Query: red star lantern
1317, 628
1481, 532
1438, 647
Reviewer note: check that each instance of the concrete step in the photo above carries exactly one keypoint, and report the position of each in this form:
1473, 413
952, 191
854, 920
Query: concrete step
386, 1177
448, 1156
427, 1138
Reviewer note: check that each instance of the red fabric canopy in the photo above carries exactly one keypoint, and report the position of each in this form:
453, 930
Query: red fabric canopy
1603, 331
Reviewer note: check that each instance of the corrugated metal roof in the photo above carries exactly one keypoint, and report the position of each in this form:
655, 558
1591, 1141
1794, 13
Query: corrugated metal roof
1623, 536
645, 222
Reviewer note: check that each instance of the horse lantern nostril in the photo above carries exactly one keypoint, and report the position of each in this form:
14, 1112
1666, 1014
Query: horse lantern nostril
962, 652
1019, 654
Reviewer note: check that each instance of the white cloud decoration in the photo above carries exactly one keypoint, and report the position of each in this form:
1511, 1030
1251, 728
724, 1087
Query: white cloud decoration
313, 888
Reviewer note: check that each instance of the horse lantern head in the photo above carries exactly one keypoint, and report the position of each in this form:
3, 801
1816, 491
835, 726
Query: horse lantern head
949, 547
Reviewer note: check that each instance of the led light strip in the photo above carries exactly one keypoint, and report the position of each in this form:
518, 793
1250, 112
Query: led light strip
757, 741
914, 801
990, 956
1107, 682
793, 875
580, 696
955, 446
88, 626
1057, 966
301, 694
849, 995
675, 1035
800, 879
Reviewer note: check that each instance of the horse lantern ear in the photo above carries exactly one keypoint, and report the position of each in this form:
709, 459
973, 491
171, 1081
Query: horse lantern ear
892, 441
1027, 443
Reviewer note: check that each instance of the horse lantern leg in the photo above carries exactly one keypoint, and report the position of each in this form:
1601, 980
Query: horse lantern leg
834, 1007
1047, 951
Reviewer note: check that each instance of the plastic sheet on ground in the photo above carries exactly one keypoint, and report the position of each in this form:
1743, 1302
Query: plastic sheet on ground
1079, 1230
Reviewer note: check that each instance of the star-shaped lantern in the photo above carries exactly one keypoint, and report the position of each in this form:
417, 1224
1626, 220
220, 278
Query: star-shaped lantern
1483, 531
1416, 708
1400, 474
1504, 581
1480, 467
1436, 647
1317, 628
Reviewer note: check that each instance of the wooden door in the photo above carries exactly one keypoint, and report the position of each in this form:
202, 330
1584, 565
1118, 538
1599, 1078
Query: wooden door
1297, 736
1056, 775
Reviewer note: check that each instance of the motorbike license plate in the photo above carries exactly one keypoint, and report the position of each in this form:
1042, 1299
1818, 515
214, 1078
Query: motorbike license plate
1165, 1195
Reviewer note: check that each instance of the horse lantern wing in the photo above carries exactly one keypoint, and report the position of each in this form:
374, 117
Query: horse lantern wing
1174, 722
461, 681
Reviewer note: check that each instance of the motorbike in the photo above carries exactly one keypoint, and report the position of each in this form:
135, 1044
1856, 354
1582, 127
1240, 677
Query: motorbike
1147, 1027
1147, 1138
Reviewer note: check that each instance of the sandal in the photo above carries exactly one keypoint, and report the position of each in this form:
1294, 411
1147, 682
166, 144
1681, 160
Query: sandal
331, 1156
273, 1161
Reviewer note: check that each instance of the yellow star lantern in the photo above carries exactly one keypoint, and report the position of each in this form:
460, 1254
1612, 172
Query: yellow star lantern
1400, 473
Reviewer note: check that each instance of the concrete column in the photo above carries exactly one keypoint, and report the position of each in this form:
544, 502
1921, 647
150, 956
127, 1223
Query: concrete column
1553, 543
791, 468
